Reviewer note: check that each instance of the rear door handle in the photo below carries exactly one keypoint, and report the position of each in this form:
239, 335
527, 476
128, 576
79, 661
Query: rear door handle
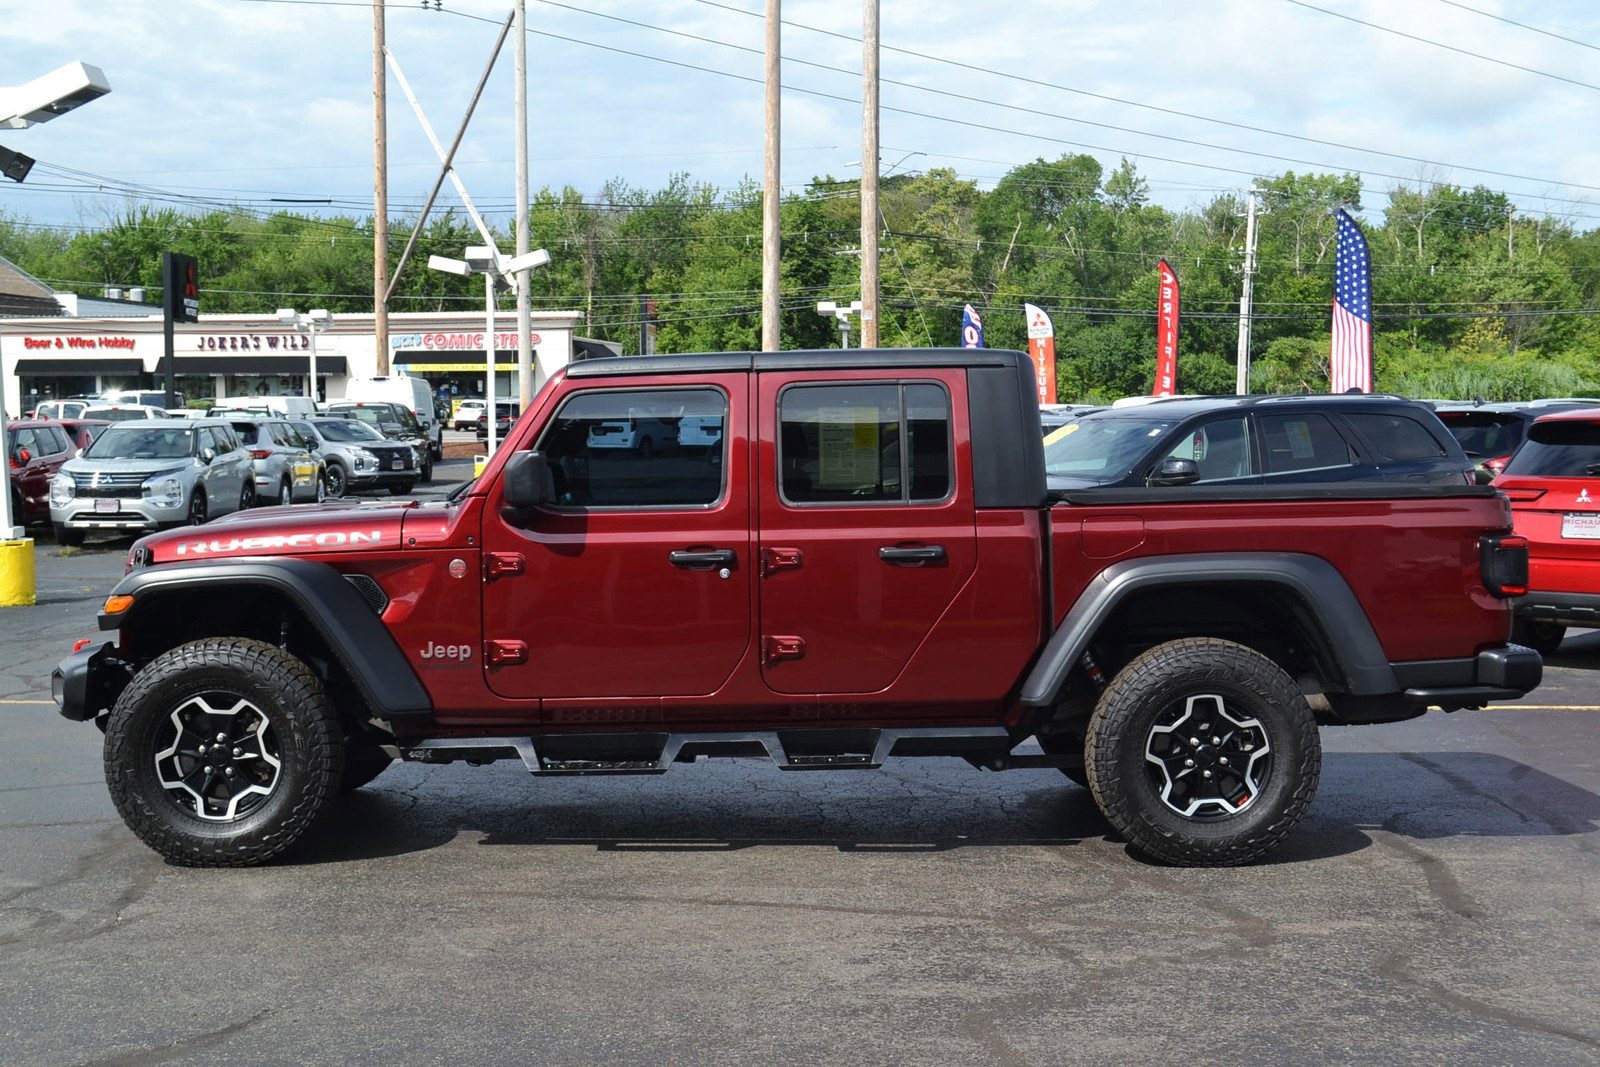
912, 557
706, 560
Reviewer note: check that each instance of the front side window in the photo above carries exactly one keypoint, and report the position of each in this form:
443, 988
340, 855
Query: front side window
1220, 449
1301, 442
632, 448
854, 444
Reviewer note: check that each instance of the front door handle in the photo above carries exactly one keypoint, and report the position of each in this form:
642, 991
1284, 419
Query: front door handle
703, 560
912, 557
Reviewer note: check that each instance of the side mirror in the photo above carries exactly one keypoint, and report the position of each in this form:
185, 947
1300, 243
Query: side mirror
207, 454
528, 481
1176, 472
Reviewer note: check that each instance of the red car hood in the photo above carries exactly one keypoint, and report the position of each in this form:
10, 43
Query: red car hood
297, 531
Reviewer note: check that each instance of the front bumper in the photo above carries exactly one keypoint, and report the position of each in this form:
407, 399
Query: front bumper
82, 684
1568, 609
1506, 673
131, 514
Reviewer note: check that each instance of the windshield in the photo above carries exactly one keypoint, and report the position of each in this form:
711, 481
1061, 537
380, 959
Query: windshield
1484, 433
347, 430
1559, 450
132, 442
373, 416
1102, 448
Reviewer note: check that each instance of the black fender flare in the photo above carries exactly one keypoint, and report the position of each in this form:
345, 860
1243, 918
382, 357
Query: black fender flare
364, 646
1316, 585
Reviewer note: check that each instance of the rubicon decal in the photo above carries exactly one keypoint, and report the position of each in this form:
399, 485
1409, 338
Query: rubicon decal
327, 539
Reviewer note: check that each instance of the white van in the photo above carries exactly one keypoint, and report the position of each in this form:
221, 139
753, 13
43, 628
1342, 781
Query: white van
412, 393
287, 406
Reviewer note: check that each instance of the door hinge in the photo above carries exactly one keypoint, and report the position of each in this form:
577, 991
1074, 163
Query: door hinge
503, 651
499, 564
774, 560
775, 648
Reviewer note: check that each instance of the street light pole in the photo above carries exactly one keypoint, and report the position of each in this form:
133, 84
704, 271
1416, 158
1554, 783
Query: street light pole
488, 359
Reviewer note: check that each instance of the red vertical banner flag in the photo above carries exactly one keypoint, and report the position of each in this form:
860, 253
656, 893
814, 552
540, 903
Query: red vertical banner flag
1166, 332
1042, 347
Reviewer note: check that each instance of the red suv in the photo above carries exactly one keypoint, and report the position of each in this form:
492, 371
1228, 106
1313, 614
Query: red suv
1553, 483
38, 449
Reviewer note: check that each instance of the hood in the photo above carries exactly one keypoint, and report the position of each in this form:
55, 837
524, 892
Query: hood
146, 467
298, 530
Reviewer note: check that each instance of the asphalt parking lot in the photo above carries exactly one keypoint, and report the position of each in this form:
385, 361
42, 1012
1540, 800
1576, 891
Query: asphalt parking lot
1440, 903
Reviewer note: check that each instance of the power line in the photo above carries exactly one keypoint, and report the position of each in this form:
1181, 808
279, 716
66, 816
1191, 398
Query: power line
1520, 25
1447, 47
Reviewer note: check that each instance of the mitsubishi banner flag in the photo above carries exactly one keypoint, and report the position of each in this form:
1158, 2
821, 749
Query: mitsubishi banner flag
1350, 359
1166, 332
971, 328
1042, 347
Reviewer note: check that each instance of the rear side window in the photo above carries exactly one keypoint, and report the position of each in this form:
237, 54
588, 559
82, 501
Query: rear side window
1396, 438
1301, 442
1484, 433
860, 444
597, 464
1559, 450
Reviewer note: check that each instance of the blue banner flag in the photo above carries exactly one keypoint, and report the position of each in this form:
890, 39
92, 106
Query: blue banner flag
971, 328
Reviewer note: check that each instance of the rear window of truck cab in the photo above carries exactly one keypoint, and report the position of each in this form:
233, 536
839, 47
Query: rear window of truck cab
864, 443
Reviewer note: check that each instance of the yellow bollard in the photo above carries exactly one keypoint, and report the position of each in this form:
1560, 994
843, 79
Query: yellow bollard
478, 463
16, 573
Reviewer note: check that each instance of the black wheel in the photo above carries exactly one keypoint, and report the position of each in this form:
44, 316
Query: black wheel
67, 537
427, 466
197, 508
1203, 753
400, 490
1543, 637
285, 493
361, 769
223, 752
334, 478
247, 495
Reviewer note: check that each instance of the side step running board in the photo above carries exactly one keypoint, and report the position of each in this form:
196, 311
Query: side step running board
791, 750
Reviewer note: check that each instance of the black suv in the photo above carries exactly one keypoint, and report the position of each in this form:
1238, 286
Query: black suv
1490, 433
1256, 440
394, 421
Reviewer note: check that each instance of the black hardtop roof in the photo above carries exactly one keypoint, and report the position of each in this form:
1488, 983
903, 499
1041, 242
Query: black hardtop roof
798, 359
1184, 407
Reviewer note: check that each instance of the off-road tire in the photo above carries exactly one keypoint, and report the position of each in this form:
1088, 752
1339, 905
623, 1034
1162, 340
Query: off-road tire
1250, 684
306, 730
66, 536
1543, 637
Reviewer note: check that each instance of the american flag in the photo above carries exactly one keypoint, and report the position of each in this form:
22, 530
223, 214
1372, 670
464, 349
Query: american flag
1350, 363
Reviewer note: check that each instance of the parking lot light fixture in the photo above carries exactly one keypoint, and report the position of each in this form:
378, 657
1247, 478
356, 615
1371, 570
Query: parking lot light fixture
841, 313
498, 272
311, 323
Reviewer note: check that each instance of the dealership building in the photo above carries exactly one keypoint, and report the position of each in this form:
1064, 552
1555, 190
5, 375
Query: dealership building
60, 344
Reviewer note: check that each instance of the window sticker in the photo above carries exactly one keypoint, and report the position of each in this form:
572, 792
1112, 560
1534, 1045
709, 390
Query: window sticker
848, 447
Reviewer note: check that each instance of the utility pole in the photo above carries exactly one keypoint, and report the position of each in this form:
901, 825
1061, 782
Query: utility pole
772, 192
1242, 381
869, 174
524, 297
380, 195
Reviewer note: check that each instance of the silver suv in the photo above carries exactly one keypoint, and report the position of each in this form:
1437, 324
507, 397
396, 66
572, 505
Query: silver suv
287, 470
357, 457
145, 475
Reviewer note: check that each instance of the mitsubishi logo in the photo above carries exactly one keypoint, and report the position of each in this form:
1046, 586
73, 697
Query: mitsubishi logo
1583, 496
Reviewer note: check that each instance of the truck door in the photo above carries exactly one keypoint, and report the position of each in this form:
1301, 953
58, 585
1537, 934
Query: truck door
867, 528
635, 580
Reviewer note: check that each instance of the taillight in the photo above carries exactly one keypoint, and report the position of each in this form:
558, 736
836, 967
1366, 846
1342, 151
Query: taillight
1504, 563
261, 453
1523, 494
1496, 465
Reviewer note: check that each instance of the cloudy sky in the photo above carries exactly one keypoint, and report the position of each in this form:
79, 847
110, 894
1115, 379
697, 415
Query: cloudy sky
260, 102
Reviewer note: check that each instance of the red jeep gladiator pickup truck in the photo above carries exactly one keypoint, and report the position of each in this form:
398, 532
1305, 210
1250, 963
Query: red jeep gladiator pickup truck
825, 558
